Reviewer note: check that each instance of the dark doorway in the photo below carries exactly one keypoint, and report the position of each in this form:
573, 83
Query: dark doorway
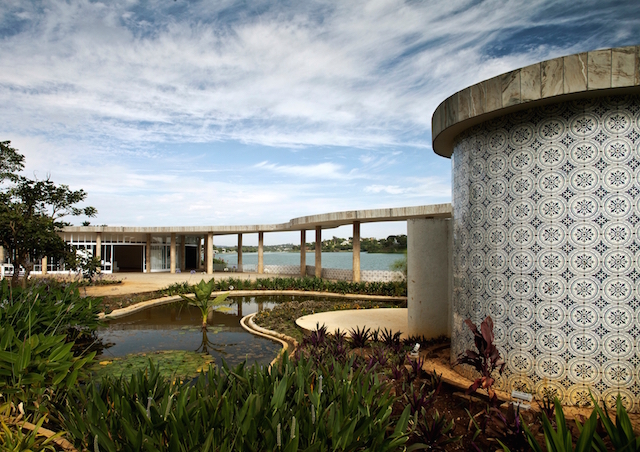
191, 257
128, 258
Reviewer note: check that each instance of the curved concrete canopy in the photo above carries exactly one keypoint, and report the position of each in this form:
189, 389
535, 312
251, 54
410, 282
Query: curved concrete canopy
325, 221
599, 72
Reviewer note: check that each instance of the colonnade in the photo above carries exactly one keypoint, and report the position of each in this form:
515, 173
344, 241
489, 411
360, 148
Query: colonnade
208, 252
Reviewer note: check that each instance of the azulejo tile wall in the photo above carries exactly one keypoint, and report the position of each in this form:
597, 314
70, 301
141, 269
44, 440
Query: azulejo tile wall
546, 208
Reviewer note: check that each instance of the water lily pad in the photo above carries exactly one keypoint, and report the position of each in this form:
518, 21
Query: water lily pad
172, 364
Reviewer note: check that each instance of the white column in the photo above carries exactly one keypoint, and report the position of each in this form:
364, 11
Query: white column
356, 251
303, 253
209, 253
99, 245
318, 252
173, 252
239, 252
148, 253
428, 276
183, 253
260, 252
199, 253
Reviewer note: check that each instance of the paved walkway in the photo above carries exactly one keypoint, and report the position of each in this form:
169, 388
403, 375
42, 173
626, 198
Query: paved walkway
148, 282
394, 319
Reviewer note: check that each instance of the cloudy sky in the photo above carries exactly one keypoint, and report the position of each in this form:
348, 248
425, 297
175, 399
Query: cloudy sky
240, 112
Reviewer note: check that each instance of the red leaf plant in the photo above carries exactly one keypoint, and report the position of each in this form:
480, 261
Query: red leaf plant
486, 360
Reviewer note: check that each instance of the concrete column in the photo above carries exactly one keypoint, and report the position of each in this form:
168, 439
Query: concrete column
44, 265
428, 276
198, 253
2, 255
356, 251
99, 245
209, 253
239, 252
318, 252
260, 252
183, 253
303, 253
148, 253
99, 250
173, 252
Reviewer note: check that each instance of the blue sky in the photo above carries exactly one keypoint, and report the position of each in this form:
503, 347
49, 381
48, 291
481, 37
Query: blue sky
234, 112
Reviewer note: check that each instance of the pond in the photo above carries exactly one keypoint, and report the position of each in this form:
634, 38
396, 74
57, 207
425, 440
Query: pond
176, 326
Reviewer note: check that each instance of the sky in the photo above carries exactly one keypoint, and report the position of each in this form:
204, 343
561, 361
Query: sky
180, 112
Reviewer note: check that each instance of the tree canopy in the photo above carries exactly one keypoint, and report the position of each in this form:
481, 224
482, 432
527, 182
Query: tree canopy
32, 212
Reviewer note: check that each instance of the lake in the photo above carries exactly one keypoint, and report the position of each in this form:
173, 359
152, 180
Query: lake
344, 260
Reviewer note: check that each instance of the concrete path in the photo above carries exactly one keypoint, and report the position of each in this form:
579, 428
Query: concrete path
394, 319
148, 282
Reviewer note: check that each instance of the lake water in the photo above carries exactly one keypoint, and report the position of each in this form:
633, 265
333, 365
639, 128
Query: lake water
177, 327
343, 260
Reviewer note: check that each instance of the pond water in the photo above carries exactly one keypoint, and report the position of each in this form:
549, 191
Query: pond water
177, 327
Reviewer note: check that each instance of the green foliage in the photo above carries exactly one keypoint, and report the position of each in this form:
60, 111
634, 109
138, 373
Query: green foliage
50, 308
290, 407
202, 299
31, 213
621, 433
38, 324
84, 262
400, 265
38, 369
13, 439
169, 362
559, 439
389, 289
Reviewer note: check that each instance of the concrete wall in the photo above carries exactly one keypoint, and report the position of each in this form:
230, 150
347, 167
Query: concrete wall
428, 276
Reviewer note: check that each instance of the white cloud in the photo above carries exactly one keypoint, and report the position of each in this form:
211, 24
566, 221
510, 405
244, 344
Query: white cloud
361, 73
104, 96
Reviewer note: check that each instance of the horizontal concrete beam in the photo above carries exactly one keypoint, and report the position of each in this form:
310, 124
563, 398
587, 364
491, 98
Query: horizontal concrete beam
325, 221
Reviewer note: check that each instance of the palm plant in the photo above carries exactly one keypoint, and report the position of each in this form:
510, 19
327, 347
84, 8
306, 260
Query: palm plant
202, 299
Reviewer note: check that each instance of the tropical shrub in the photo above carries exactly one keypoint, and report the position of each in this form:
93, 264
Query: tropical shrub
49, 308
289, 407
39, 362
486, 360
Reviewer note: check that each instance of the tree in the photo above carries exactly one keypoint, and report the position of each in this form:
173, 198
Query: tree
31, 213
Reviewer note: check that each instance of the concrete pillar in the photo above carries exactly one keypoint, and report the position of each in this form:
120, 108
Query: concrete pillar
99, 245
173, 253
99, 250
209, 253
356, 251
183, 253
318, 252
303, 253
148, 254
198, 253
260, 252
428, 276
239, 252
2, 255
44, 265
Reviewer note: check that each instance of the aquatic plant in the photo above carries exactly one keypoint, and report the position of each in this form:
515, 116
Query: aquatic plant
202, 299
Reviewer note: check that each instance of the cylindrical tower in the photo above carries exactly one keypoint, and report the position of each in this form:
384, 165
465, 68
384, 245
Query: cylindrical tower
546, 211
